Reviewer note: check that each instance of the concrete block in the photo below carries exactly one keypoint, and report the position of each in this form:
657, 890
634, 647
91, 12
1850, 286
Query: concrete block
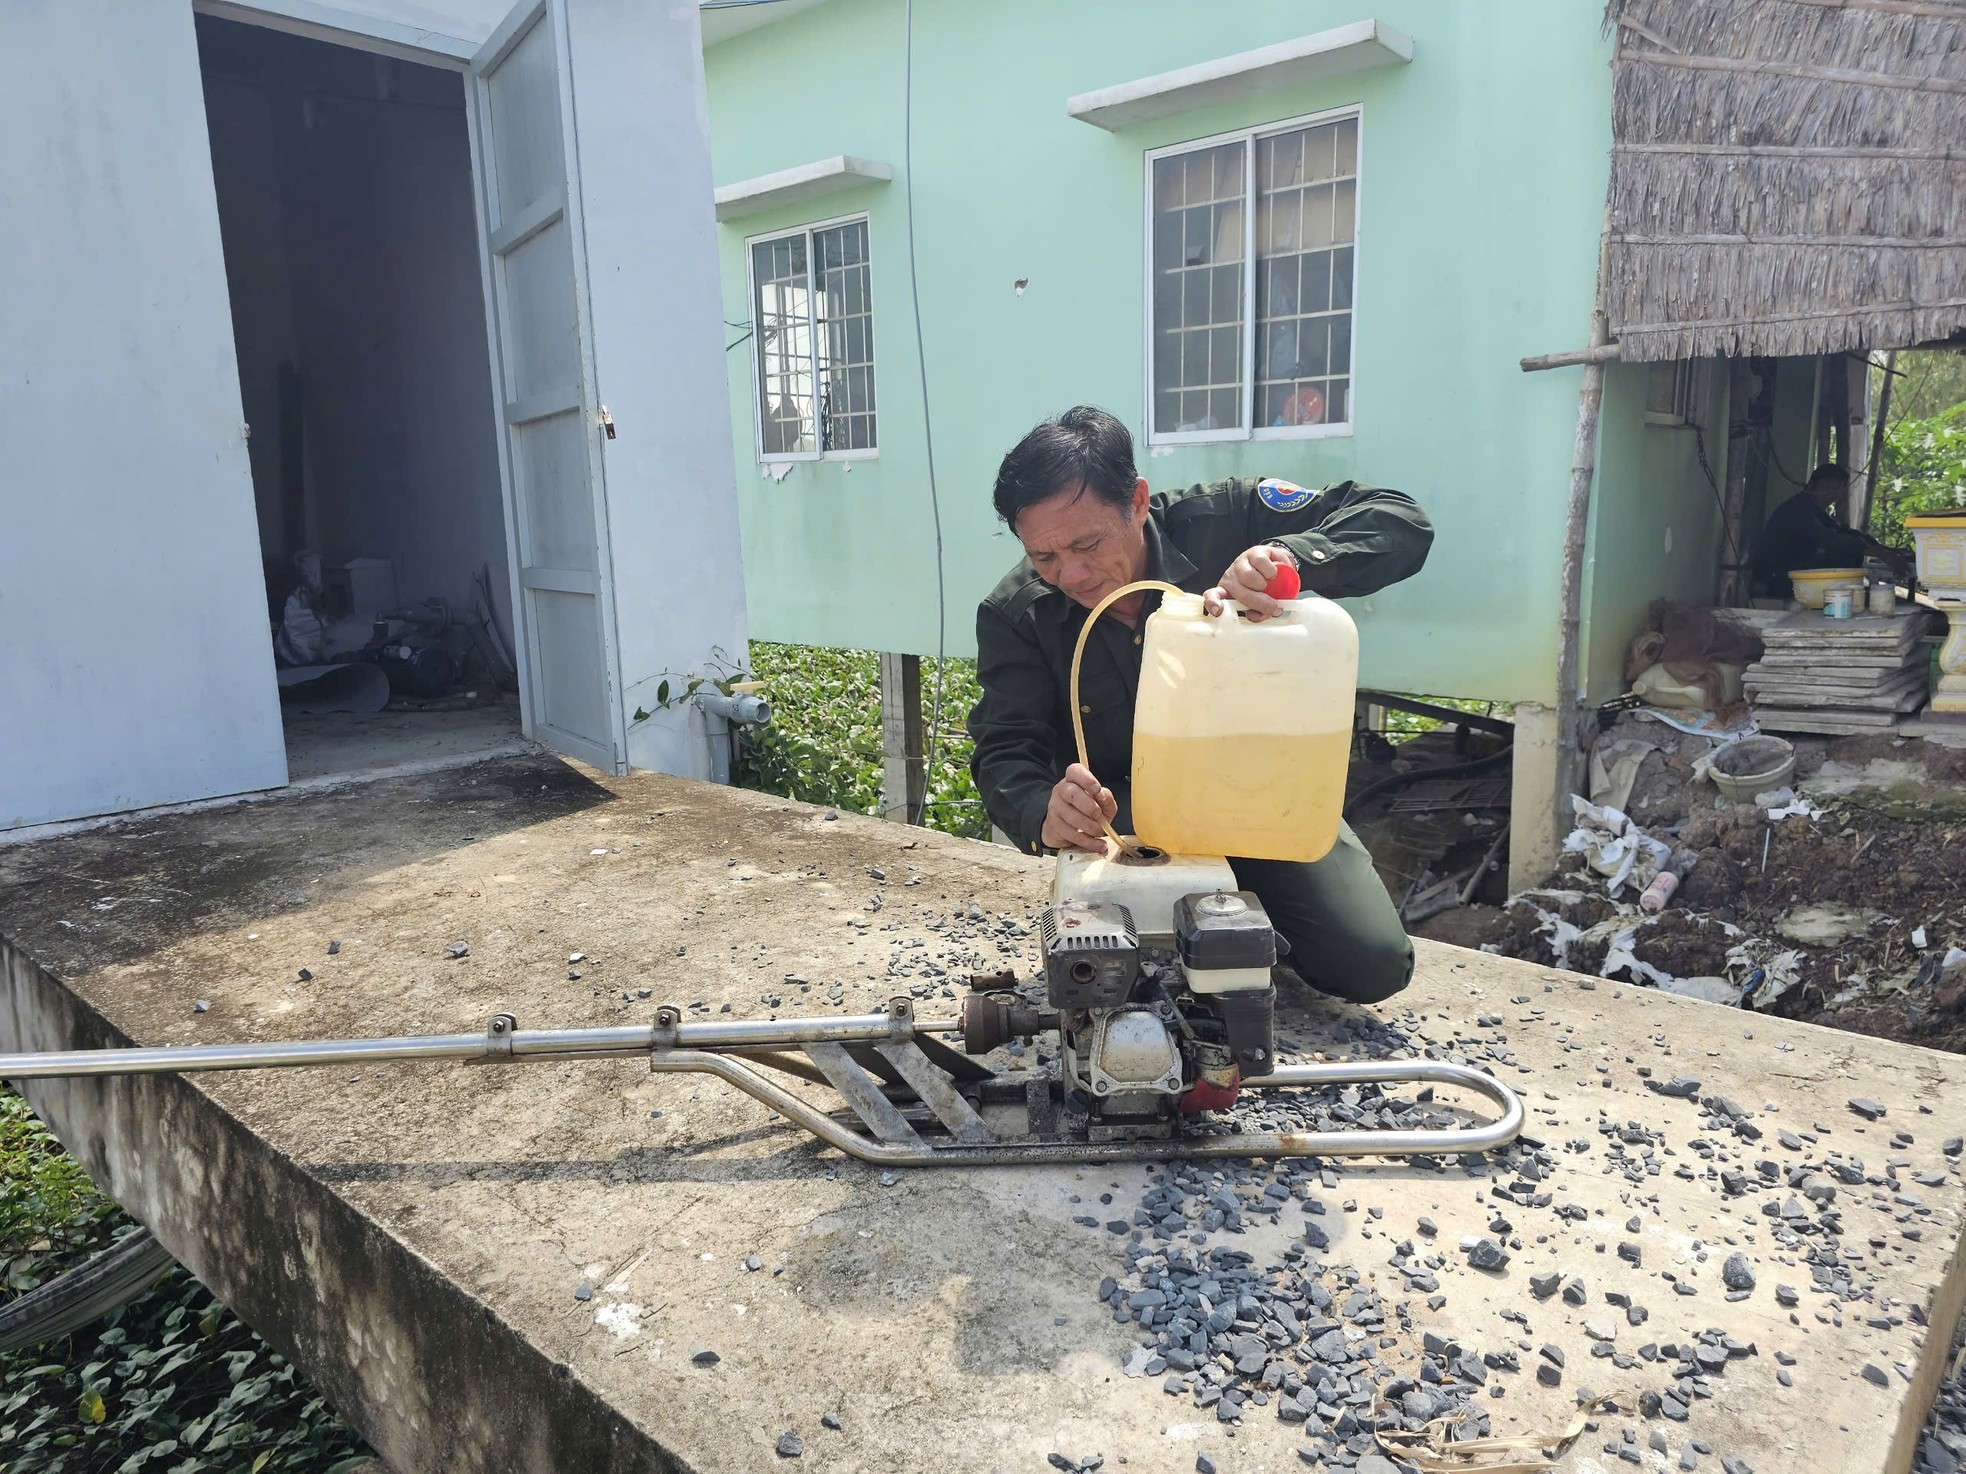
415, 1235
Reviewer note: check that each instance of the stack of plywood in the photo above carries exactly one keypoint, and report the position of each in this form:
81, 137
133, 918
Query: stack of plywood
1840, 676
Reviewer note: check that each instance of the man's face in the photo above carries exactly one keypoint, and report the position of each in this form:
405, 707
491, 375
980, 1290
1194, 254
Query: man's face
1085, 546
1828, 492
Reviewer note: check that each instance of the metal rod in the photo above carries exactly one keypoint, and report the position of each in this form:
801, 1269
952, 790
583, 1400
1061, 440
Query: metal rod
488, 1046
1450, 1142
1450, 715
502, 1043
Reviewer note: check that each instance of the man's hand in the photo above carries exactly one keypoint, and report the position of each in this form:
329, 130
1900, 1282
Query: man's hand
1078, 803
1246, 580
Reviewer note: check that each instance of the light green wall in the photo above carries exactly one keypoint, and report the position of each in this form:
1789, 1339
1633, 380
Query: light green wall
1482, 184
1655, 523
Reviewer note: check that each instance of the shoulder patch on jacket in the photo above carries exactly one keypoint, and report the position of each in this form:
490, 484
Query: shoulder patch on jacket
1282, 496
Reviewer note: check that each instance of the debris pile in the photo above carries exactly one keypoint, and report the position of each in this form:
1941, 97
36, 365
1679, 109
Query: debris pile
1838, 903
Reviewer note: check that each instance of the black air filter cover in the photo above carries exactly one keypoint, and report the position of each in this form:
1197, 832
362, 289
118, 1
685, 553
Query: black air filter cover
1224, 929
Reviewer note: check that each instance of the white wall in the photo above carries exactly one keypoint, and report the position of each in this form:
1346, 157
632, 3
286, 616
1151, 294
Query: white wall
135, 662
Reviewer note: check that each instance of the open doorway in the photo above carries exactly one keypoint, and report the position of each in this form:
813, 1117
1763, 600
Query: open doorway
346, 211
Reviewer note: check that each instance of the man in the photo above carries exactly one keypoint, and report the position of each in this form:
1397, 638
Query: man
1801, 533
1071, 493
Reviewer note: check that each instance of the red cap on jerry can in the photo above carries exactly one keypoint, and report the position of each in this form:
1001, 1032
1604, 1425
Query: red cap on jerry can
1284, 583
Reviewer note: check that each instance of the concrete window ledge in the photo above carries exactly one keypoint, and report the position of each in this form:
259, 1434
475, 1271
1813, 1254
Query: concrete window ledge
803, 182
1358, 47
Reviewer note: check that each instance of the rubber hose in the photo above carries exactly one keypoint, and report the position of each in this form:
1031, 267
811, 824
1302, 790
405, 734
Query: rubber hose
91, 1290
1078, 654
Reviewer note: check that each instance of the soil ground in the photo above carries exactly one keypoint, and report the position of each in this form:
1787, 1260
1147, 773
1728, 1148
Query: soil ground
1867, 895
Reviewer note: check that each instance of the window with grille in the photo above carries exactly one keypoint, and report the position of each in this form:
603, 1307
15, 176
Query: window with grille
812, 337
1251, 256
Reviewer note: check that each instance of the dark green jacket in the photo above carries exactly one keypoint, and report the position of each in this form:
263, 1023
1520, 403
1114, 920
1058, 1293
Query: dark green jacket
1800, 534
1349, 540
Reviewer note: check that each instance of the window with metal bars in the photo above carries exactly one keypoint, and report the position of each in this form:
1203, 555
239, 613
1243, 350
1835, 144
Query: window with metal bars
1251, 255
812, 342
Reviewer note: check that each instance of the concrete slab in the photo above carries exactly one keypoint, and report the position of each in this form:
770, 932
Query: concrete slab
418, 1237
324, 747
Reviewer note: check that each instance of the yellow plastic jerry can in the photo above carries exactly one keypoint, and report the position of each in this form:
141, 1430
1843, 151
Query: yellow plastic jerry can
1242, 729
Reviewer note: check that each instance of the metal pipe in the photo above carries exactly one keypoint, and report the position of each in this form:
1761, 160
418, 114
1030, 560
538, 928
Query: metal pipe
1478, 721
191, 1058
1452, 1142
492, 1046
744, 707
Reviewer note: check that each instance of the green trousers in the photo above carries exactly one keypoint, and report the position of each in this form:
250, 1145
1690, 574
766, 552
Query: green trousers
1345, 935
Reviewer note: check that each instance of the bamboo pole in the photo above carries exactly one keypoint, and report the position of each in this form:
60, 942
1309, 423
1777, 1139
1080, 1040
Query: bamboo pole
1598, 353
1877, 432
1576, 533
1856, 437
1733, 543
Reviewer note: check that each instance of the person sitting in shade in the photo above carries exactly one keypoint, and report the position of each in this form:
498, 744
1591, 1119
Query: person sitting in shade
1803, 533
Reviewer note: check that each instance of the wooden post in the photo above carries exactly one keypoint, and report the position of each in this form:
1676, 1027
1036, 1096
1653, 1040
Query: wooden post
1874, 467
1576, 533
1733, 531
1856, 437
904, 786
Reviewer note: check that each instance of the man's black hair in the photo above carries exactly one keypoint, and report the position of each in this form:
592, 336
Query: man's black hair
1084, 447
1828, 471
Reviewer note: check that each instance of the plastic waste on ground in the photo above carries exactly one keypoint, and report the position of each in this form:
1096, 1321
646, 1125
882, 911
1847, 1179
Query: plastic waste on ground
1614, 846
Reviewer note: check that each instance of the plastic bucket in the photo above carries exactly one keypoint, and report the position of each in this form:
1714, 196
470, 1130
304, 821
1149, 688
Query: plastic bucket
1752, 765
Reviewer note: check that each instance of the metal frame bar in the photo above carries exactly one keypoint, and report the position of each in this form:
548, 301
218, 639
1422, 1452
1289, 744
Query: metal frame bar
676, 1046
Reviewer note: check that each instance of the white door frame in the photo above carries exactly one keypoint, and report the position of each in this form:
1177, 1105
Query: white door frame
361, 32
339, 27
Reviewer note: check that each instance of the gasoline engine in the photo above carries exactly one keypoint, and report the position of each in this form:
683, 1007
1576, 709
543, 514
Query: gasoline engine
1146, 1035
1159, 980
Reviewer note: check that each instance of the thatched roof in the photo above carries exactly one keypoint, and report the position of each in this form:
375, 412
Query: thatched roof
1787, 176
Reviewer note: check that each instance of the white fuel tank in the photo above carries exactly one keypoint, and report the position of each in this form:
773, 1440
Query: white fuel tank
1148, 888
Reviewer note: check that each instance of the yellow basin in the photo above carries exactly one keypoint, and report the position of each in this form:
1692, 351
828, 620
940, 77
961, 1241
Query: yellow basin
1812, 585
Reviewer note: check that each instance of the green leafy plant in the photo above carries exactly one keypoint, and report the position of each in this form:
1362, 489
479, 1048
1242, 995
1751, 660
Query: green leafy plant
172, 1383
675, 688
51, 1215
1923, 470
823, 744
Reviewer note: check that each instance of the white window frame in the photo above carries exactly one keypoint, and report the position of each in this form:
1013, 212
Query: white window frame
751, 312
1688, 399
1247, 430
